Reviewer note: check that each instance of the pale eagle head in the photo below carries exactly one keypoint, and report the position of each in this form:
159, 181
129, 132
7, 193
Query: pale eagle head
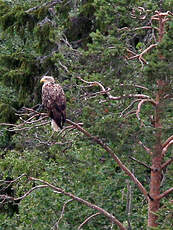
47, 79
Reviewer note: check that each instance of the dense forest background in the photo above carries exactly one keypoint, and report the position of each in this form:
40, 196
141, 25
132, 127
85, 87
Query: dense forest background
111, 57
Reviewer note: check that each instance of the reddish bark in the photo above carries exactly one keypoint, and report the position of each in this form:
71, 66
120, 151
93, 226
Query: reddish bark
157, 158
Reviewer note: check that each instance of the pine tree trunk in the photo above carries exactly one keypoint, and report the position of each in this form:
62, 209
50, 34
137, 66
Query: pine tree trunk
156, 172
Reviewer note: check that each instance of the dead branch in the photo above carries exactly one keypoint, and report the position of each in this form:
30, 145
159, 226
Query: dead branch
29, 118
47, 4
140, 56
130, 113
140, 162
129, 203
106, 91
87, 220
164, 150
7, 198
167, 192
56, 225
168, 162
129, 107
146, 148
140, 104
90, 205
10, 182
162, 18
108, 150
167, 141
134, 85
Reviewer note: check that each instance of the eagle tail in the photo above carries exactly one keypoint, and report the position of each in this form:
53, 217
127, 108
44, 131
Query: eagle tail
58, 119
54, 125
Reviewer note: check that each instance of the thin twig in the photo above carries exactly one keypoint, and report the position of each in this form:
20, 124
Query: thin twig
87, 220
129, 106
146, 148
47, 4
56, 225
140, 162
6, 197
168, 162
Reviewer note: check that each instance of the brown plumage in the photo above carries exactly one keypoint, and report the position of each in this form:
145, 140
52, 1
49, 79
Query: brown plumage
54, 101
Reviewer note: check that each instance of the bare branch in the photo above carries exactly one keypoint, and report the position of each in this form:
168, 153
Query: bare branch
162, 18
141, 163
90, 205
56, 225
146, 148
130, 113
136, 86
13, 181
106, 91
167, 192
168, 162
140, 56
129, 106
87, 220
10, 182
164, 150
108, 150
167, 141
140, 104
47, 4
129, 203
25, 195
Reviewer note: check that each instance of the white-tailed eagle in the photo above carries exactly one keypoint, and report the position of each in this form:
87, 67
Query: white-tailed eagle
54, 101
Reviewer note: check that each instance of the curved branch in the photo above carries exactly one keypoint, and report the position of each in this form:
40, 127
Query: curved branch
146, 148
87, 220
140, 104
6, 197
164, 150
129, 107
90, 205
106, 91
117, 160
167, 141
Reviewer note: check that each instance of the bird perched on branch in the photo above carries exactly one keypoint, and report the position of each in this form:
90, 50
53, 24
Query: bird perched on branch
54, 101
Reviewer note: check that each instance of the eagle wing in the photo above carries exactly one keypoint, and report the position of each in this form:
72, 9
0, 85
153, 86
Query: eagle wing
53, 99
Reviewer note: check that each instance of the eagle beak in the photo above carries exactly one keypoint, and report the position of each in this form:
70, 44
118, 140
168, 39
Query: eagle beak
42, 80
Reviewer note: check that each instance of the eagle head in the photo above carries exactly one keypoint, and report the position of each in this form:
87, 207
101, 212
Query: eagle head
47, 79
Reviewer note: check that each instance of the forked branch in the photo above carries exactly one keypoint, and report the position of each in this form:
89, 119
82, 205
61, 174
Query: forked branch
80, 200
106, 91
162, 18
